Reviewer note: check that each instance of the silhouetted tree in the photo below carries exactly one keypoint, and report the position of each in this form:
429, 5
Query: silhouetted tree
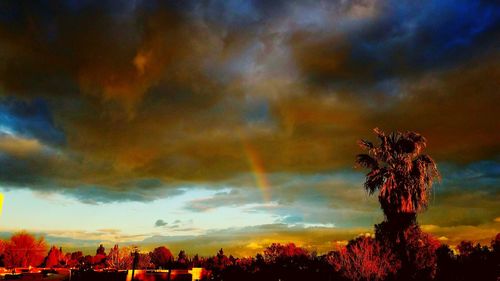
196, 262
465, 248
288, 253
221, 260
86, 262
161, 257
364, 258
182, 259
446, 263
101, 250
2, 252
495, 243
24, 250
246, 264
74, 259
54, 257
475, 263
144, 261
260, 262
495, 246
404, 177
418, 254
99, 260
120, 258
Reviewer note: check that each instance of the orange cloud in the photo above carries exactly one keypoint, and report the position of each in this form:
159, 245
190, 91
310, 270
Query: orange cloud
18, 146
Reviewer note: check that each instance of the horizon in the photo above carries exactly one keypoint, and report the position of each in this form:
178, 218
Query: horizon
234, 124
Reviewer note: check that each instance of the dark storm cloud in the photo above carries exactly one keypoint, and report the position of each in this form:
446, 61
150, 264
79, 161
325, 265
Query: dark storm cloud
110, 101
107, 194
475, 175
29, 119
19, 172
405, 39
110, 50
48, 171
467, 196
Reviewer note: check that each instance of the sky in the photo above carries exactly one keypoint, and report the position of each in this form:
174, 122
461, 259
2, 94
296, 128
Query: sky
208, 124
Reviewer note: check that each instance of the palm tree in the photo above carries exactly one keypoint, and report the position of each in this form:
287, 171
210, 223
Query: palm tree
402, 175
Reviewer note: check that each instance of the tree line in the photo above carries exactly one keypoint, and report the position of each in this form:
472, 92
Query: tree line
363, 258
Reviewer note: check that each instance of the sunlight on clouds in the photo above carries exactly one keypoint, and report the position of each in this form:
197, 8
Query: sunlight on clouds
19, 146
254, 246
364, 9
140, 61
429, 227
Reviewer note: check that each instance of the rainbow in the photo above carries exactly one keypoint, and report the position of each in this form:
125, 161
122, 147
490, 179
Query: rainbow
258, 171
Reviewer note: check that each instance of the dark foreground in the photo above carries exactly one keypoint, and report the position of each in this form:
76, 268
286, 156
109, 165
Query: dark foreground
275, 274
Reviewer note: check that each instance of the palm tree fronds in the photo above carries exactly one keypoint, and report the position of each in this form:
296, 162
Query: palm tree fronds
366, 161
379, 132
405, 145
403, 176
374, 180
364, 144
419, 141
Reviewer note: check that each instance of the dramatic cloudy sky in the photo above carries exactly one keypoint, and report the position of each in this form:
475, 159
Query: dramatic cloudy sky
208, 124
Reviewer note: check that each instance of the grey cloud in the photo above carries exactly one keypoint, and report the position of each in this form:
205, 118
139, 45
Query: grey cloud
160, 223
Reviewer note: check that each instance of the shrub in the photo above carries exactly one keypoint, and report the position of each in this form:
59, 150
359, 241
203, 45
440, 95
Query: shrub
365, 259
